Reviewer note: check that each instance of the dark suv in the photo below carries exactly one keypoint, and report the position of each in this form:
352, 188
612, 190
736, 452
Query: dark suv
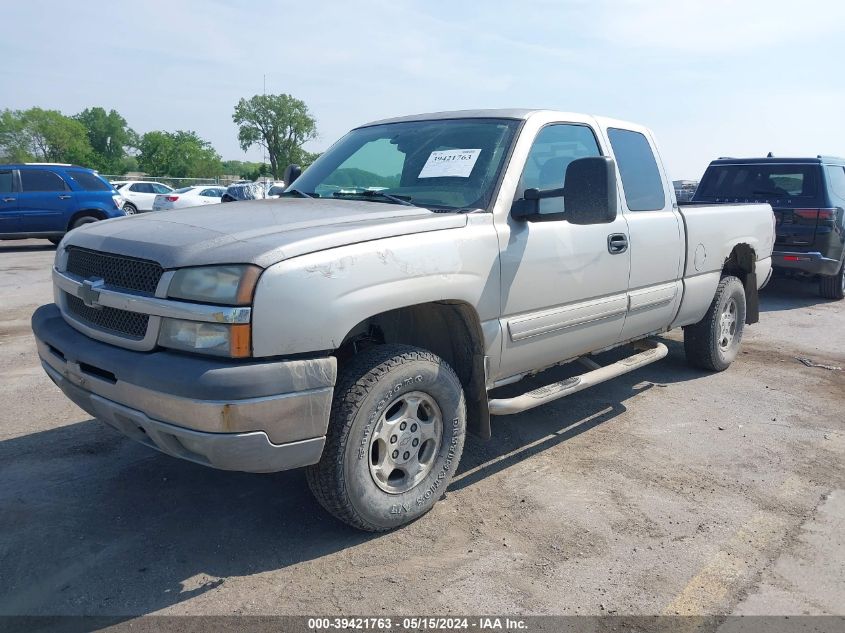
808, 198
47, 200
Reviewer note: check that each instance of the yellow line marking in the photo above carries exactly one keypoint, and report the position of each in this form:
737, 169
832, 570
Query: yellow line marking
732, 565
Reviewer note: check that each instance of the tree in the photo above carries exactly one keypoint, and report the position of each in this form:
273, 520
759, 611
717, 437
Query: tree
279, 123
14, 138
109, 136
43, 135
178, 154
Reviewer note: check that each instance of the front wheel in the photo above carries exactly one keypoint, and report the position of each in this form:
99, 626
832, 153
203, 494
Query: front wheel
713, 342
833, 286
129, 208
395, 437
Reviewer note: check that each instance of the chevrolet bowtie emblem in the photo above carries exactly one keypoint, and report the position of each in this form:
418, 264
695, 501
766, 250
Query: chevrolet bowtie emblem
89, 292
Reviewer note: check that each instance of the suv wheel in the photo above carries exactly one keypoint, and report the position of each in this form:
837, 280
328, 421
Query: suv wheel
85, 219
129, 208
833, 286
395, 437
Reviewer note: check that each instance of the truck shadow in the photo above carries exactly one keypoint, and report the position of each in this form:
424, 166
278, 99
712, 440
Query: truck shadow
93, 523
784, 293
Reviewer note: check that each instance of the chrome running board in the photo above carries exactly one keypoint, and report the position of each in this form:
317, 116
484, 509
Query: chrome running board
651, 351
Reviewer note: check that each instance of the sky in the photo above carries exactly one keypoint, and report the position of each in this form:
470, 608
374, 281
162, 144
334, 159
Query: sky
710, 77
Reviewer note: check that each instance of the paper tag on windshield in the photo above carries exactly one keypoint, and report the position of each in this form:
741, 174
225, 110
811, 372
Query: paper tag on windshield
454, 163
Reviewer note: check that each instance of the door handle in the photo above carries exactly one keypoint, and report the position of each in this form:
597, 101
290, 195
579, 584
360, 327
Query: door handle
617, 243
9, 199
65, 196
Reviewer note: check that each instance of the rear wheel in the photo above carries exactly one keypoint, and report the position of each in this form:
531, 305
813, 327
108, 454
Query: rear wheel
394, 440
85, 219
713, 342
833, 286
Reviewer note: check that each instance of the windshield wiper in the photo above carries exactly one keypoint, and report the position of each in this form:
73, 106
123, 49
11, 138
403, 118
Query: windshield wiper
297, 192
369, 193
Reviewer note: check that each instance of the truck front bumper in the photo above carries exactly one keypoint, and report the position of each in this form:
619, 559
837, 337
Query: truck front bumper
814, 263
258, 416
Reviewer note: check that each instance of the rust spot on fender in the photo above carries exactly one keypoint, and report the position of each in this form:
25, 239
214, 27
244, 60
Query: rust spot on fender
226, 417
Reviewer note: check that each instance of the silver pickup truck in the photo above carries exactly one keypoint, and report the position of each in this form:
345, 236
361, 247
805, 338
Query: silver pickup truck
356, 325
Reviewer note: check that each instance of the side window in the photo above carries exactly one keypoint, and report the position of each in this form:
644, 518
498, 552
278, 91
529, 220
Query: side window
641, 179
41, 180
160, 188
6, 181
89, 181
835, 176
142, 187
554, 148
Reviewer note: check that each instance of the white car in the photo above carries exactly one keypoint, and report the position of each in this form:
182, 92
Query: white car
194, 196
139, 194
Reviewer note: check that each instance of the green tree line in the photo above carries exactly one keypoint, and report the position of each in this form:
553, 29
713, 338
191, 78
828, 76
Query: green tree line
104, 141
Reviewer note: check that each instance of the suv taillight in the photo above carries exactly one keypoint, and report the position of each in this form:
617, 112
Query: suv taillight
822, 215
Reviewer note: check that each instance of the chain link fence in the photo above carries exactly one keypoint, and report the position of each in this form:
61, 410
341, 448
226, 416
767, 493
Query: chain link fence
176, 183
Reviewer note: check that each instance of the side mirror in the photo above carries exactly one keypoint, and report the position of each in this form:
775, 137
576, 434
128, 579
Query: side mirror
590, 191
589, 195
292, 172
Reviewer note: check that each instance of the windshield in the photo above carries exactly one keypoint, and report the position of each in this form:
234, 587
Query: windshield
758, 182
449, 164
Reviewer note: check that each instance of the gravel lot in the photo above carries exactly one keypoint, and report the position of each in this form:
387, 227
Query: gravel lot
668, 490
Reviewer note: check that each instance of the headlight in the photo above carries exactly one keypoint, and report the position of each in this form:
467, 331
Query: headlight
226, 285
206, 338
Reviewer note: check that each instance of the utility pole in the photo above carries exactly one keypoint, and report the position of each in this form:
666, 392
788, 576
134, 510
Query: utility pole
264, 153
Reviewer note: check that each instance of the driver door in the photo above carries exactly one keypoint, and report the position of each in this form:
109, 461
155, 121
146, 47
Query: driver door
564, 288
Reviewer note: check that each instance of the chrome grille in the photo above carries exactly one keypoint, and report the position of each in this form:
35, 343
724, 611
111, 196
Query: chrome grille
118, 271
120, 322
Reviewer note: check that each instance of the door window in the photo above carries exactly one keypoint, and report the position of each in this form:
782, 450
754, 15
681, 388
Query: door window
554, 148
641, 179
141, 187
41, 180
6, 181
157, 188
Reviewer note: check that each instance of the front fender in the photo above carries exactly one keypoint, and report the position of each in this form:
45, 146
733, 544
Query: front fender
309, 303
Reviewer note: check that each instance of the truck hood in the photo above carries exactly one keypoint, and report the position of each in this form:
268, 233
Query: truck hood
261, 232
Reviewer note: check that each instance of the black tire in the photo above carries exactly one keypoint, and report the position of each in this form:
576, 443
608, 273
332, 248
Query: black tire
85, 219
833, 286
129, 208
706, 343
367, 393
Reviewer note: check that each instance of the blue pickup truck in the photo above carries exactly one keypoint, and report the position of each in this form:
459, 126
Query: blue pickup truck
39, 200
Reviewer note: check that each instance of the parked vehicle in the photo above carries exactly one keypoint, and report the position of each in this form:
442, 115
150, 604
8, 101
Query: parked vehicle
808, 197
45, 200
140, 194
194, 196
356, 325
258, 190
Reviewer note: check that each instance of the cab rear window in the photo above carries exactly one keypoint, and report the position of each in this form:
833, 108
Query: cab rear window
89, 181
